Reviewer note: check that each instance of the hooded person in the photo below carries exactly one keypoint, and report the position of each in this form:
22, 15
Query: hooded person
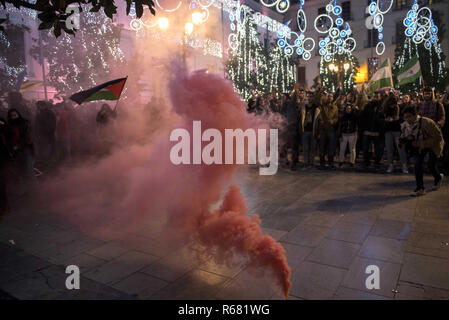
21, 144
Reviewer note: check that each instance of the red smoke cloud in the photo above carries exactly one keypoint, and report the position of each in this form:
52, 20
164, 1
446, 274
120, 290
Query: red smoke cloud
137, 182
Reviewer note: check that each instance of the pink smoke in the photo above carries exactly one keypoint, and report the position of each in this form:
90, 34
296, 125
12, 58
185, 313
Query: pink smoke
138, 182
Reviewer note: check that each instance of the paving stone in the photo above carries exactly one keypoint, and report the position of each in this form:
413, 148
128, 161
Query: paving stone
108, 250
175, 265
195, 285
388, 277
295, 254
415, 291
83, 261
352, 294
316, 281
21, 266
140, 285
386, 249
121, 267
324, 219
425, 270
335, 253
436, 245
306, 235
391, 229
248, 286
348, 231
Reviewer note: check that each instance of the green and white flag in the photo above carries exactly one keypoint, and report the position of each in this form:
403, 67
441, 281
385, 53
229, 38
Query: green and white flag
410, 72
382, 79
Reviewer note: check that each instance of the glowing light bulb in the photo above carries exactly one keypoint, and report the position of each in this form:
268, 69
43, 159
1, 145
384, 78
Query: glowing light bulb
197, 17
346, 66
332, 67
188, 28
162, 23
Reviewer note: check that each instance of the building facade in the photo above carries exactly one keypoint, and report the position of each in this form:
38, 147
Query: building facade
356, 13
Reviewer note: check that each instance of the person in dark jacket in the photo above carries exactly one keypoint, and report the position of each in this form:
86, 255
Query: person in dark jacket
291, 133
445, 130
5, 157
327, 124
21, 144
348, 134
371, 122
393, 132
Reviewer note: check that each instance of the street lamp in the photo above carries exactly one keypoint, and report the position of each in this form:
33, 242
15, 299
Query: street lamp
162, 23
197, 17
332, 67
346, 66
188, 28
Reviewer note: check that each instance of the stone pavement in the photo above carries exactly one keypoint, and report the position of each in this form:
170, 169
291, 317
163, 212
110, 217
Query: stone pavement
332, 224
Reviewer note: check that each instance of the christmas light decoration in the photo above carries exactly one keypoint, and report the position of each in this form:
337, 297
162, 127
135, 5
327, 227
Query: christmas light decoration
420, 26
303, 45
432, 61
281, 5
338, 38
377, 9
255, 69
77, 63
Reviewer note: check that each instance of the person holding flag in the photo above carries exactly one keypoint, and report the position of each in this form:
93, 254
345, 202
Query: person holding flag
111, 91
382, 79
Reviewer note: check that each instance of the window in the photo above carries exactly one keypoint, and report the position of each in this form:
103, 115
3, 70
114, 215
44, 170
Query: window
373, 38
401, 4
346, 10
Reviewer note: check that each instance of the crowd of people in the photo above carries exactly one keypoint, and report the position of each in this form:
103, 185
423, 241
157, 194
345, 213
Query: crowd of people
41, 136
382, 126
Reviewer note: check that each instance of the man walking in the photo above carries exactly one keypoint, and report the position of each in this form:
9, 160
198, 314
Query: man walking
423, 136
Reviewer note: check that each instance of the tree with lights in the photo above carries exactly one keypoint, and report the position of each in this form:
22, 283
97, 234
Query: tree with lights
255, 69
53, 14
91, 57
341, 69
11, 64
433, 66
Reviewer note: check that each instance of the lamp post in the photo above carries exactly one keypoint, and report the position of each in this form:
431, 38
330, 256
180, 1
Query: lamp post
338, 68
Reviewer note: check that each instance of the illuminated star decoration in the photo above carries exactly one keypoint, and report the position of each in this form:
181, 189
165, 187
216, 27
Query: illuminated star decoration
420, 26
303, 45
377, 9
338, 38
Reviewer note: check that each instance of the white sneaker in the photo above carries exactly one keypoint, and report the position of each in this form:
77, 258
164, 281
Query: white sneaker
404, 169
438, 185
390, 168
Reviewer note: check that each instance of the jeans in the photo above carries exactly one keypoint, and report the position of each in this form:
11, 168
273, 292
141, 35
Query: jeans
308, 147
391, 140
378, 148
348, 139
327, 142
418, 161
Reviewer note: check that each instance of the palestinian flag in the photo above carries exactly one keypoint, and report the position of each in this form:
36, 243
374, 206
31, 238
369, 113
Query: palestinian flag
107, 91
410, 72
27, 85
382, 79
